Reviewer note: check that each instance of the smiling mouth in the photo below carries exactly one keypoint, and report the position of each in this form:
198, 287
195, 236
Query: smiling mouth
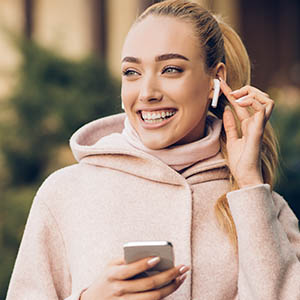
159, 116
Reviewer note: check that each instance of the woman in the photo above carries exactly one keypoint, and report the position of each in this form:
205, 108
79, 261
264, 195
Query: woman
168, 169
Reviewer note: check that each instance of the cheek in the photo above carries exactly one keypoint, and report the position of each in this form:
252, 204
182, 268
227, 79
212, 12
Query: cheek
128, 94
191, 93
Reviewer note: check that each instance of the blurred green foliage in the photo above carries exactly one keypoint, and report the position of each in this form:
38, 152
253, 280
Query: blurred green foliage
286, 122
54, 97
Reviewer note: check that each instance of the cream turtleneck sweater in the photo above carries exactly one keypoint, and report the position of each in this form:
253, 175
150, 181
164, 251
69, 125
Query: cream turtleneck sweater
180, 157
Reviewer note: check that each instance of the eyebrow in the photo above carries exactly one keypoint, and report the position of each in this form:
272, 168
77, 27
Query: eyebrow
157, 58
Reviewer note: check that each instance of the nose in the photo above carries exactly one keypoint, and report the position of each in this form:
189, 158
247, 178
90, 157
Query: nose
150, 90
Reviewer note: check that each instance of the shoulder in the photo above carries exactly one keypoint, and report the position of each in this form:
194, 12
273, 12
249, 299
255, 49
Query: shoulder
61, 177
63, 184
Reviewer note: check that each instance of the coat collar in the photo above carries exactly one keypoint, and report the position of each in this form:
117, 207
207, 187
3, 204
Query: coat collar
101, 143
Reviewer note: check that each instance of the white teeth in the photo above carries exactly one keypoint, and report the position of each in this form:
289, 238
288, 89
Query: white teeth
157, 115
154, 121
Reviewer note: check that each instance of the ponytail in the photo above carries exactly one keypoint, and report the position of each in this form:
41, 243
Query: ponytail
238, 74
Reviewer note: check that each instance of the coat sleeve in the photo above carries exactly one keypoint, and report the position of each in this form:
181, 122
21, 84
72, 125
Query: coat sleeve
268, 244
41, 270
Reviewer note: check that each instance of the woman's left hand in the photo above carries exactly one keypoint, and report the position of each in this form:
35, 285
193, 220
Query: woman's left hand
244, 153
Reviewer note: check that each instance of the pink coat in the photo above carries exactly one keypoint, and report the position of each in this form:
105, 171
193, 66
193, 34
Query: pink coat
84, 213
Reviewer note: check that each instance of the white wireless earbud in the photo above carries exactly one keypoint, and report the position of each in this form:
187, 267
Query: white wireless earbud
215, 98
122, 105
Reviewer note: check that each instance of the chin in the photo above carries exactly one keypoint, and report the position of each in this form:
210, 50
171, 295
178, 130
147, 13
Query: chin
155, 145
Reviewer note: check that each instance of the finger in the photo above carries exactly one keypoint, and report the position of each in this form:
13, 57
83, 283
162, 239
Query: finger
167, 290
154, 281
126, 271
247, 90
117, 261
242, 113
229, 124
269, 109
259, 115
268, 103
160, 293
256, 105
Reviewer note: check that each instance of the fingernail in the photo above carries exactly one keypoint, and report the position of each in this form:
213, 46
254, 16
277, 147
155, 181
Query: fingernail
241, 99
153, 261
183, 269
182, 277
227, 107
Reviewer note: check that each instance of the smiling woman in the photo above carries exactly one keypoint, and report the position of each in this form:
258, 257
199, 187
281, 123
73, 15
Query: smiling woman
191, 161
163, 72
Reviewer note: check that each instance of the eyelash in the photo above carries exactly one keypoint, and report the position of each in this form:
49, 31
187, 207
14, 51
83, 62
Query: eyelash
178, 70
127, 72
130, 72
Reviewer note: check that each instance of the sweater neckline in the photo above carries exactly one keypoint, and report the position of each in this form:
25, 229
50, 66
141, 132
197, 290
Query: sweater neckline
180, 157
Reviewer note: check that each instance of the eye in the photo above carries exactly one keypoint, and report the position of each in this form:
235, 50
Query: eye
172, 69
130, 72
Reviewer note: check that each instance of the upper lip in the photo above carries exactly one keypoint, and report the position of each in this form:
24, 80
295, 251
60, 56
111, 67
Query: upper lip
155, 109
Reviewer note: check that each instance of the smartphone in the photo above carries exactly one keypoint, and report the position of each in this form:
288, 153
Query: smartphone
134, 251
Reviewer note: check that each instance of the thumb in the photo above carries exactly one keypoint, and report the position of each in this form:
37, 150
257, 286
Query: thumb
229, 124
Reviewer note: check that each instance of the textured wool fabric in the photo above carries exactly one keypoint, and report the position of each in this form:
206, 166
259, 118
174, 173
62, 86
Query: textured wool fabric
84, 213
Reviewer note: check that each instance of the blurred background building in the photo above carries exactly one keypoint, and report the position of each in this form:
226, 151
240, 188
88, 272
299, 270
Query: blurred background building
75, 29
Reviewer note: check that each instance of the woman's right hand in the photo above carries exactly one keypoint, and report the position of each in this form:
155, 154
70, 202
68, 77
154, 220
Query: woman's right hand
113, 284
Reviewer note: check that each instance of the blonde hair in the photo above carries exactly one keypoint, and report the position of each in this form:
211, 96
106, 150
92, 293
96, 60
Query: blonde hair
220, 43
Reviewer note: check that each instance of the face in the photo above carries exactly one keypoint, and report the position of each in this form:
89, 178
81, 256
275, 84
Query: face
165, 88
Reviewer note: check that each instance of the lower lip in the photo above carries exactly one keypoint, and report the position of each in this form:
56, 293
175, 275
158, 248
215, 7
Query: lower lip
155, 125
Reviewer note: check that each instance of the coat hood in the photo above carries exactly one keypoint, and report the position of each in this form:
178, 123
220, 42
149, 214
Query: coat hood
101, 143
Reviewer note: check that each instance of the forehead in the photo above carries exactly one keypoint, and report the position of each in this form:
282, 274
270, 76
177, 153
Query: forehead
158, 34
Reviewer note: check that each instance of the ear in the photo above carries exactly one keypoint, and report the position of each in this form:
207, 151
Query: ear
218, 72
